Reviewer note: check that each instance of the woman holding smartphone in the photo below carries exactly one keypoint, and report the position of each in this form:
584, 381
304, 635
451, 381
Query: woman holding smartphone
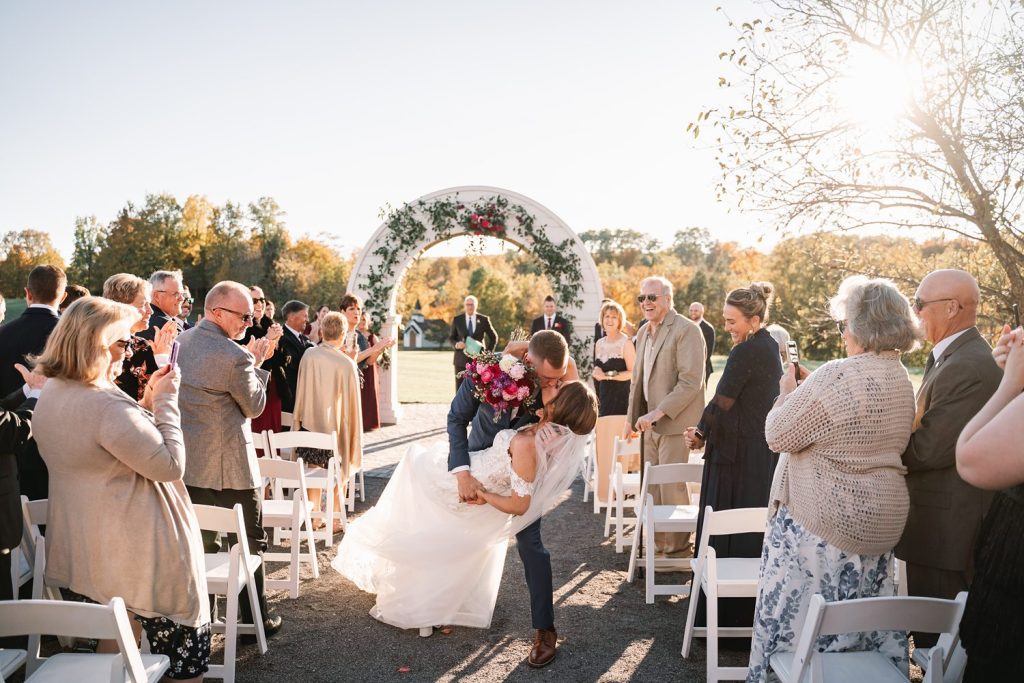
738, 464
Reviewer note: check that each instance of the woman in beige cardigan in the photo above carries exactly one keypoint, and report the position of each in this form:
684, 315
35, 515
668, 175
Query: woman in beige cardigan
327, 400
839, 501
120, 522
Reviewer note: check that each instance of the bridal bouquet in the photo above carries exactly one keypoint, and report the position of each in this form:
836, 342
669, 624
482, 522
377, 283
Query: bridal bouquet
504, 383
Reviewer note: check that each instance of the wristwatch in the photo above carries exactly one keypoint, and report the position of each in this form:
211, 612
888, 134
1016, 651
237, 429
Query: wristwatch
612, 373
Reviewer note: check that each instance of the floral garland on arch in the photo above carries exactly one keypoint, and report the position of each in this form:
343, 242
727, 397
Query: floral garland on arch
446, 217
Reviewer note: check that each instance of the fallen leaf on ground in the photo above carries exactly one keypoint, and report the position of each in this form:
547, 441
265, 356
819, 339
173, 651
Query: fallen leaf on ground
404, 669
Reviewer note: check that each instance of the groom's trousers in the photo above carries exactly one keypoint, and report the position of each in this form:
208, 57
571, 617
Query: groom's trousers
537, 563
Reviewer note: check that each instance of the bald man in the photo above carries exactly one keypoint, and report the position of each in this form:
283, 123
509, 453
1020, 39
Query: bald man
960, 376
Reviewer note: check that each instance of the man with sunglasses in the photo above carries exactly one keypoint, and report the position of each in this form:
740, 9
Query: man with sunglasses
666, 394
186, 309
222, 388
960, 377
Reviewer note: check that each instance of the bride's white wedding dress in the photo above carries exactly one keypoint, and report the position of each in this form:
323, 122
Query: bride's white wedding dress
429, 558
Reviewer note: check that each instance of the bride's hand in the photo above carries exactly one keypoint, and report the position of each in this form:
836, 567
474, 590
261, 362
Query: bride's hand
469, 488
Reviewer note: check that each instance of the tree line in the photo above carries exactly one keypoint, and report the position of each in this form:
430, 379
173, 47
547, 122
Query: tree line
252, 244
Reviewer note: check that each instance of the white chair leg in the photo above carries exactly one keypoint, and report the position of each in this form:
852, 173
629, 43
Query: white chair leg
257, 615
649, 557
696, 587
362, 486
620, 519
296, 541
711, 609
230, 634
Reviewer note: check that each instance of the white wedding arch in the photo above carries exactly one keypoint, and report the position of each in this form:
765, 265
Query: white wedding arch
473, 210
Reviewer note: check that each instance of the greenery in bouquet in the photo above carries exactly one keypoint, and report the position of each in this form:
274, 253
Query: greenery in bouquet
503, 382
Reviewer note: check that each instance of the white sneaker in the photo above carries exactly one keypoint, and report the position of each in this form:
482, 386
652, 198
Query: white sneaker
426, 631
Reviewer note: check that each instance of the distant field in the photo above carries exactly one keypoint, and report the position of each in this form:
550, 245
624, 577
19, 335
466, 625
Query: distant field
429, 377
15, 307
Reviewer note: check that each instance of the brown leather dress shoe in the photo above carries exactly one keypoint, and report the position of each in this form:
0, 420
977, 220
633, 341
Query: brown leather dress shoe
545, 647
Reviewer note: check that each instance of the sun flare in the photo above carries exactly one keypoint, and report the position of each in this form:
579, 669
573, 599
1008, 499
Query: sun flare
874, 90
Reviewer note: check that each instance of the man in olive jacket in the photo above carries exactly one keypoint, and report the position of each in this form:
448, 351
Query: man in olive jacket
960, 377
666, 393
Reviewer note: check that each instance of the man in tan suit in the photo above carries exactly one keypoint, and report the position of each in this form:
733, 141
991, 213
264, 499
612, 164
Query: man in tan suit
667, 393
960, 377
222, 388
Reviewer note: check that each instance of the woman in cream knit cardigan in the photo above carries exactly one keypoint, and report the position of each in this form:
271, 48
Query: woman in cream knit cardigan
839, 501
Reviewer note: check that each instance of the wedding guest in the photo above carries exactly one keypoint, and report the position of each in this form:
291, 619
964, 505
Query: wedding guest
466, 325
781, 337
277, 386
72, 293
167, 295
15, 431
738, 464
315, 335
142, 357
613, 362
3, 308
21, 338
271, 308
292, 345
186, 309
990, 456
222, 387
551, 320
328, 400
839, 499
960, 377
599, 326
365, 354
697, 316
121, 465
666, 394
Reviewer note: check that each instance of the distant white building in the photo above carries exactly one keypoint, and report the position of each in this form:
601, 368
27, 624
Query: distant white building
421, 333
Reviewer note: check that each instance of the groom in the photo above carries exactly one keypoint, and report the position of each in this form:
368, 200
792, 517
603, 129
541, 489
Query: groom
549, 355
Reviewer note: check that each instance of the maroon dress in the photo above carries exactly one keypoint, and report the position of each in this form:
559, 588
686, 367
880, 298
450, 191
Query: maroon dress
371, 386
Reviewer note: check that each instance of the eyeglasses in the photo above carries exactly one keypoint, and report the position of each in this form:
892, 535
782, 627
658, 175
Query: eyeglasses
176, 295
920, 303
188, 300
648, 297
125, 344
841, 326
246, 317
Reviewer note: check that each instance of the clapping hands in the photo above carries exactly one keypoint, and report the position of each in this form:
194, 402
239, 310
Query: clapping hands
260, 349
164, 337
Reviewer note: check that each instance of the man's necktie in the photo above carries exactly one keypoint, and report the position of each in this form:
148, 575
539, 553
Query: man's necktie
469, 327
929, 365
547, 325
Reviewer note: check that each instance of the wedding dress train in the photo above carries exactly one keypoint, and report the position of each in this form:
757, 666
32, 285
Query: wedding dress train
429, 558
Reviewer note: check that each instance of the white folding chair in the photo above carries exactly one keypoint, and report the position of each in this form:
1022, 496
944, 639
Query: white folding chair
605, 433
33, 515
805, 663
623, 485
330, 478
79, 620
954, 657
662, 518
286, 419
289, 518
899, 576
227, 573
11, 661
727, 577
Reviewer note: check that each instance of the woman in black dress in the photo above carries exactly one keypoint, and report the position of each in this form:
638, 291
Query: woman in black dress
738, 465
989, 455
613, 362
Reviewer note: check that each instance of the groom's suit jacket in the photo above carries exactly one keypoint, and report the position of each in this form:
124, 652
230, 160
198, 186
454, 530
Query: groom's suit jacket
467, 411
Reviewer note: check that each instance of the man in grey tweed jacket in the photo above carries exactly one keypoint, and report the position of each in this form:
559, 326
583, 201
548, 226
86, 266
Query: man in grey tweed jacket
222, 388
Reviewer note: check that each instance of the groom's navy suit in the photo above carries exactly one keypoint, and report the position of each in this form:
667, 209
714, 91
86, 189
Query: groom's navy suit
467, 410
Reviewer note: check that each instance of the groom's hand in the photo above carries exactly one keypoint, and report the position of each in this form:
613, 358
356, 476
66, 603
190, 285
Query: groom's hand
469, 487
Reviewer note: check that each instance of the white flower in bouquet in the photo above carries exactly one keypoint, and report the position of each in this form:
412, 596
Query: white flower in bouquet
507, 362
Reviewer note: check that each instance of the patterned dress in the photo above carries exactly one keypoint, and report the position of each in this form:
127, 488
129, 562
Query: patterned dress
796, 564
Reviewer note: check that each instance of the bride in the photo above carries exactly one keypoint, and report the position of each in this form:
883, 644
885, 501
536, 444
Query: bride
433, 560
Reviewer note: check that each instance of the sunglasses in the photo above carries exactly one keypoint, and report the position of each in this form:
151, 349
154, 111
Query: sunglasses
261, 300
188, 300
246, 317
648, 297
920, 303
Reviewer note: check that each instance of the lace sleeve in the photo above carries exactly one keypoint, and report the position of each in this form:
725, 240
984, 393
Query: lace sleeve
520, 486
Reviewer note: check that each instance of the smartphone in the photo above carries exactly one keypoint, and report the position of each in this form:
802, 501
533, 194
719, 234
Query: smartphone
794, 357
1016, 316
174, 354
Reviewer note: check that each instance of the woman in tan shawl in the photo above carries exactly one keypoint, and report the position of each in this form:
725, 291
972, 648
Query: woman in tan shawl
327, 400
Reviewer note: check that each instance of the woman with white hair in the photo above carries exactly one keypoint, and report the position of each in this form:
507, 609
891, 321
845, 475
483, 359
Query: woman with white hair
839, 501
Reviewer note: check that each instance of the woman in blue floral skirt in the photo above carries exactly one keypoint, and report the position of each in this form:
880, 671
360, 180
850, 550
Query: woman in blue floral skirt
839, 497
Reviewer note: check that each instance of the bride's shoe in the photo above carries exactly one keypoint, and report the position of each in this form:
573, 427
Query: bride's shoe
426, 631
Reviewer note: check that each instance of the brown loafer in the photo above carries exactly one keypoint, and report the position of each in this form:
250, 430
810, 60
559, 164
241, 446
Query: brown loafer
545, 647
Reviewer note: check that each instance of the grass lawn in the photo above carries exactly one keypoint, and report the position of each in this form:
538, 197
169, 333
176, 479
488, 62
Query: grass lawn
15, 307
428, 376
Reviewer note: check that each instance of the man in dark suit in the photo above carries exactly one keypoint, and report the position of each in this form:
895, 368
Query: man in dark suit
552, 321
291, 347
168, 296
960, 377
22, 337
697, 316
470, 325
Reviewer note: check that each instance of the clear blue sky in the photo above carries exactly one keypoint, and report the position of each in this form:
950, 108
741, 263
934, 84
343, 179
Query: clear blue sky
338, 108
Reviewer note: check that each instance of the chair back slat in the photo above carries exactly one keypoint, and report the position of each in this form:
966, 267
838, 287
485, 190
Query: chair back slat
223, 520
736, 521
279, 440
674, 474
35, 511
926, 615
